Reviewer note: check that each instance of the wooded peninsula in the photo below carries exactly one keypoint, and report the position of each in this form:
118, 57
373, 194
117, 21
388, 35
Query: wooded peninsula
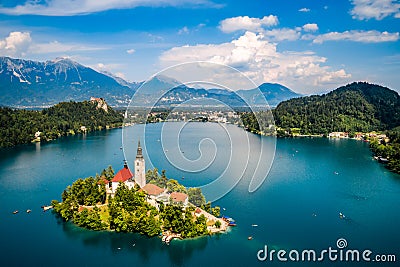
19, 126
357, 110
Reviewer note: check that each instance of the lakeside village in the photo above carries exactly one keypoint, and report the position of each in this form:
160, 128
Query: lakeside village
232, 117
146, 203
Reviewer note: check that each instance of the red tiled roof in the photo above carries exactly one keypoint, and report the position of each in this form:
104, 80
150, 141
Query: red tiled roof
123, 175
152, 189
178, 197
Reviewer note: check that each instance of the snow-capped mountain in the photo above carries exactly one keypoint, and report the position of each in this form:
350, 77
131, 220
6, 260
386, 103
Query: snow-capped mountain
27, 83
32, 83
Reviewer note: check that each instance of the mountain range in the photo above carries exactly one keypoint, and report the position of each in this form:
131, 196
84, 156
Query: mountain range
27, 83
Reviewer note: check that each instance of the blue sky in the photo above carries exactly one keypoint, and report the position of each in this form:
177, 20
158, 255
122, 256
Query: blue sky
309, 46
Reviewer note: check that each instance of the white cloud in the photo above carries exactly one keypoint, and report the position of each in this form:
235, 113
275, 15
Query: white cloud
377, 9
283, 34
74, 7
130, 51
184, 30
246, 23
310, 27
357, 36
15, 44
259, 59
107, 67
120, 75
304, 9
18, 44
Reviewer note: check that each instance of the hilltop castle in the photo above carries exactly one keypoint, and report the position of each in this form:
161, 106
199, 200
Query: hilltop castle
126, 176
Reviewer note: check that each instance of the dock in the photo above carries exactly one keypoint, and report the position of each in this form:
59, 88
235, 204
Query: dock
46, 208
167, 237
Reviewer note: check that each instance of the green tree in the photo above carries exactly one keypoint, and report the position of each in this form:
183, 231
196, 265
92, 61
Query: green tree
196, 197
216, 211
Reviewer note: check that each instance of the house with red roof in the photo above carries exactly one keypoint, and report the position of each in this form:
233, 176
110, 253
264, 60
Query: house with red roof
155, 194
179, 198
153, 190
126, 177
123, 176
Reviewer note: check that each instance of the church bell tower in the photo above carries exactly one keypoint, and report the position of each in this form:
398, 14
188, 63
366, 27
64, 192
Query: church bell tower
140, 170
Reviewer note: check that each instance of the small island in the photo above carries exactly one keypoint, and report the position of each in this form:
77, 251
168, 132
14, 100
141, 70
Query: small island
145, 203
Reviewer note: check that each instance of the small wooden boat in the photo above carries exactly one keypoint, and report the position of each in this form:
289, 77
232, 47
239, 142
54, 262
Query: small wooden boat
15, 211
341, 215
28, 211
250, 238
254, 225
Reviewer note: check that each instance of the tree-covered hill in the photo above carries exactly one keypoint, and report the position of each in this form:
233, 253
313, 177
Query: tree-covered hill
355, 107
19, 126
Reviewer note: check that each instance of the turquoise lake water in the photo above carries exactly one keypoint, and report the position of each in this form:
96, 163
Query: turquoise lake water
296, 207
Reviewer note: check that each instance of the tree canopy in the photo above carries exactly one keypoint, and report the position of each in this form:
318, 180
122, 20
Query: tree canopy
357, 107
85, 203
19, 126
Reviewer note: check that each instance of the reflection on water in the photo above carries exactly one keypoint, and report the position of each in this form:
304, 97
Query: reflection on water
179, 251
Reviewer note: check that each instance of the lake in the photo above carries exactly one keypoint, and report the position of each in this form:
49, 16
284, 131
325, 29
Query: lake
310, 181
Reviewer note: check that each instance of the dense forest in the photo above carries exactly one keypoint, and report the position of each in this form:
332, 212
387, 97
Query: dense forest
357, 107
389, 150
19, 126
85, 203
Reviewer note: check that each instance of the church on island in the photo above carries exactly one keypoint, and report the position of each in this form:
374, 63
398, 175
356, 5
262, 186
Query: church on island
155, 194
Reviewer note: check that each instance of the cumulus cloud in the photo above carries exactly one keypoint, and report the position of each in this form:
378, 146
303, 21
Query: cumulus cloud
246, 23
15, 44
130, 51
310, 27
18, 44
258, 58
377, 9
304, 9
358, 36
73, 7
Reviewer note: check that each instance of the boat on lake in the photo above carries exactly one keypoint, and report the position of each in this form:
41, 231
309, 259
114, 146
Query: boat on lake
229, 220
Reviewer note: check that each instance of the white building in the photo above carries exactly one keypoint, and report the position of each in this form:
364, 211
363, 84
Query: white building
126, 176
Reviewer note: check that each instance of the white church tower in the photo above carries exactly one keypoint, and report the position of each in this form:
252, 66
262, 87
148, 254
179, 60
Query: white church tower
140, 170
